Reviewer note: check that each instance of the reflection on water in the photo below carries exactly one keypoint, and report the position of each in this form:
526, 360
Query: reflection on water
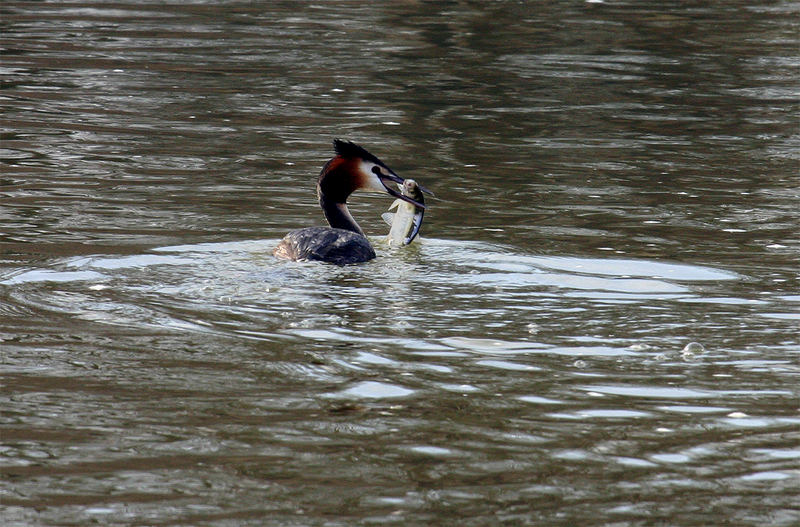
599, 325
456, 362
481, 279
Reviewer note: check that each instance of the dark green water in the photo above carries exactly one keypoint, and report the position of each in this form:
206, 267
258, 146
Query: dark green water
615, 181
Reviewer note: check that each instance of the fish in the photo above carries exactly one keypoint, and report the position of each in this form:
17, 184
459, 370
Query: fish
405, 223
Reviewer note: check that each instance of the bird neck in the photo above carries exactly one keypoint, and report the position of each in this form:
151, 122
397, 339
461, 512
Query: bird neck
336, 182
338, 216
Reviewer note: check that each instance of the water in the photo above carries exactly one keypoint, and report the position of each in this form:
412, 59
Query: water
599, 325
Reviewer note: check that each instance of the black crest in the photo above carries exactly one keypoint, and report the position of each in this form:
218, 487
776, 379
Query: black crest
349, 149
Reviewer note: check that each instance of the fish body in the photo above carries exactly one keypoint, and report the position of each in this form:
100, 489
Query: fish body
405, 223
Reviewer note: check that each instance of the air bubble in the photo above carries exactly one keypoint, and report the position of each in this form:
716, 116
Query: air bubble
694, 347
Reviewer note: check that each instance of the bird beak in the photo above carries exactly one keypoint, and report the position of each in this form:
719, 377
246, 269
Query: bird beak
392, 192
426, 191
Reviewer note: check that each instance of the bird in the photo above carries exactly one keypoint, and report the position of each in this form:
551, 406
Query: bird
343, 243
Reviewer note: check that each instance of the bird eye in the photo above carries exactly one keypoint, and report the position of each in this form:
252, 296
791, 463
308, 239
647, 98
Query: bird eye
376, 170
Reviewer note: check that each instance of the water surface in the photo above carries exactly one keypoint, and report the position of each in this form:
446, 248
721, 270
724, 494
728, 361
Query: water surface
600, 324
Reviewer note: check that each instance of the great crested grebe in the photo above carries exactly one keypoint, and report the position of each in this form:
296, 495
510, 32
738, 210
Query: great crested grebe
343, 242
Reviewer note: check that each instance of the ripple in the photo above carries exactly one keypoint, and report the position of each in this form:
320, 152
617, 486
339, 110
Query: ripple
768, 476
44, 275
654, 392
459, 388
781, 316
489, 346
600, 413
671, 458
776, 453
687, 409
433, 451
535, 399
506, 365
624, 267
374, 390
634, 462
135, 261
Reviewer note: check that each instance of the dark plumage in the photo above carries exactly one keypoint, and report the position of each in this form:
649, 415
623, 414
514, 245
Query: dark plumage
324, 244
350, 150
